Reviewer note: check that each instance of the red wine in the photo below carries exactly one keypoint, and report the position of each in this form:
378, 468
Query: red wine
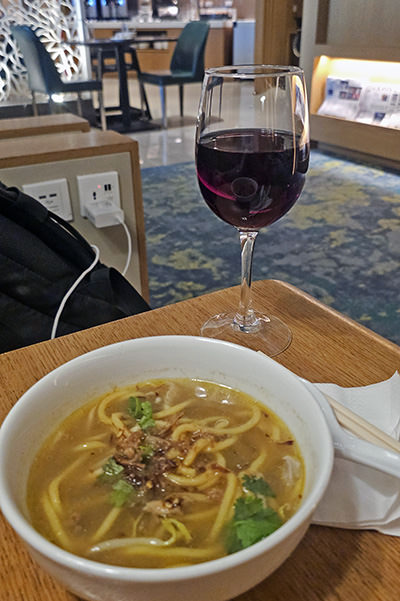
250, 177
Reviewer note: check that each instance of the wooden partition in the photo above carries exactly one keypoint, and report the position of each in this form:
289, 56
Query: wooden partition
48, 157
43, 124
275, 22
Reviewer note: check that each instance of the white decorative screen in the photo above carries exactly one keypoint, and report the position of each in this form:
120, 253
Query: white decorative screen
53, 21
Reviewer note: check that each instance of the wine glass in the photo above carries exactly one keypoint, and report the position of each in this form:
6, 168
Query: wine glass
252, 152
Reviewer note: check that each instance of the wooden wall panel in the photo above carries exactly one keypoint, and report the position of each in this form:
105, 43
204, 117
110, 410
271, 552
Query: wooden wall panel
274, 24
364, 23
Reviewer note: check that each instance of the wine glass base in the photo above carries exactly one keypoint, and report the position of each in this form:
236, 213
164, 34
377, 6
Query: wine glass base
269, 334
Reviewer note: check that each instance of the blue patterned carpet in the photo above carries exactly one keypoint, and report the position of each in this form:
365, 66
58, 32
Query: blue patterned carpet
340, 242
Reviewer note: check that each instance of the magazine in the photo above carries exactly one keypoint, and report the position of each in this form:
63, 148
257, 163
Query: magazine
362, 101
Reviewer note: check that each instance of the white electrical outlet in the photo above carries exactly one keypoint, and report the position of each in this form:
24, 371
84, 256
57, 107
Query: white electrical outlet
98, 188
54, 195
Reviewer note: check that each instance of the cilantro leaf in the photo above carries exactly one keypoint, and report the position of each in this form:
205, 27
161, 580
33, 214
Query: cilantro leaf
246, 507
134, 407
142, 411
111, 469
252, 521
253, 530
121, 493
258, 486
147, 421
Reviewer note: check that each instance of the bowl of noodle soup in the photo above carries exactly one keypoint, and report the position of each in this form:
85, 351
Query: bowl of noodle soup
164, 468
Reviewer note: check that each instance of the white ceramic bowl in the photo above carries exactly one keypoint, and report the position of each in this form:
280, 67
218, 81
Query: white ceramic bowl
60, 392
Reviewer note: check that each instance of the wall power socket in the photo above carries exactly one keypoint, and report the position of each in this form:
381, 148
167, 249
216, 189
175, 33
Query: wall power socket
97, 188
53, 194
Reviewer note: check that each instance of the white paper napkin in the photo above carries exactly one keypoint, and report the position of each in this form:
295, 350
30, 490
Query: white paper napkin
358, 496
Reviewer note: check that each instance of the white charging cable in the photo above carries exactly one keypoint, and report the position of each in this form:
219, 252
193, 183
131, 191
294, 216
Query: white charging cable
129, 255
70, 291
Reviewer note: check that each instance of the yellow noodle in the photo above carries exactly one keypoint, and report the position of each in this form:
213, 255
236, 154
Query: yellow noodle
116, 395
107, 523
225, 506
211, 480
283, 510
182, 429
195, 481
195, 497
187, 420
177, 528
106, 400
201, 515
191, 427
221, 445
171, 530
136, 524
90, 417
256, 464
188, 552
276, 433
155, 547
219, 422
171, 410
173, 453
186, 471
117, 421
220, 459
194, 451
98, 436
54, 522
118, 543
254, 419
54, 486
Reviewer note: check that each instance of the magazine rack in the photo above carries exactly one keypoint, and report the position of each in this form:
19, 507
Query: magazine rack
337, 30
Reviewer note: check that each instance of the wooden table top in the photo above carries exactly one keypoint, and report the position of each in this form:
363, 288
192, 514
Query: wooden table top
43, 124
329, 564
47, 148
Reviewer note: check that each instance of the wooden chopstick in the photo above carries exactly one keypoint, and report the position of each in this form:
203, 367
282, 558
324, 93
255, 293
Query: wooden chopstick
359, 426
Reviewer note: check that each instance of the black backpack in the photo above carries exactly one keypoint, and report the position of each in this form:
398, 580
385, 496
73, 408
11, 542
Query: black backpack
41, 257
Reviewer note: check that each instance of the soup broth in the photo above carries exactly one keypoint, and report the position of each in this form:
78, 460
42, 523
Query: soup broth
165, 473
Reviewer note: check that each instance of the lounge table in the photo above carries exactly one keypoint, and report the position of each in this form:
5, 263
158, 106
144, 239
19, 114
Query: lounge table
130, 118
329, 564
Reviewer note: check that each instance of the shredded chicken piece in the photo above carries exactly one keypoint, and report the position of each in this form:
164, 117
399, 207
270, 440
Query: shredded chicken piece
170, 506
170, 393
290, 470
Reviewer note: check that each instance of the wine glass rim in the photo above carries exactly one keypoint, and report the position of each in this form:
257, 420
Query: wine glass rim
254, 70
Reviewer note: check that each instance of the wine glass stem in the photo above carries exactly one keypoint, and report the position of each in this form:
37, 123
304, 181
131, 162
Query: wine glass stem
245, 319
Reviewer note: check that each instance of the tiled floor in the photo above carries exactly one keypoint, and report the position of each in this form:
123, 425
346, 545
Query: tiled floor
162, 146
